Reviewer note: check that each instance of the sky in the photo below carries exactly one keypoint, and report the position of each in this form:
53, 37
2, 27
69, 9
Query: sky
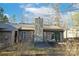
28, 11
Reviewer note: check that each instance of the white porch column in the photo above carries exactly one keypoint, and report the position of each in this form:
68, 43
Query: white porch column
12, 37
61, 36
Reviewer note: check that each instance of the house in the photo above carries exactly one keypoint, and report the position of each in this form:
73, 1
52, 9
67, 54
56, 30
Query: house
50, 32
72, 33
24, 32
6, 34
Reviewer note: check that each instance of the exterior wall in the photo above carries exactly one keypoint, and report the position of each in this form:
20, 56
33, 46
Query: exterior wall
26, 36
50, 36
53, 36
72, 33
5, 38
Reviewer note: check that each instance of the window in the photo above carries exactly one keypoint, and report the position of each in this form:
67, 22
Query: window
53, 36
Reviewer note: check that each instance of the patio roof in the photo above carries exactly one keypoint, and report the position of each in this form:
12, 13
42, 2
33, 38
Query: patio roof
27, 26
7, 26
32, 27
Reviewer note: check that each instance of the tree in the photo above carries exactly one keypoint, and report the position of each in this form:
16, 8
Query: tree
3, 18
75, 18
57, 14
13, 20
